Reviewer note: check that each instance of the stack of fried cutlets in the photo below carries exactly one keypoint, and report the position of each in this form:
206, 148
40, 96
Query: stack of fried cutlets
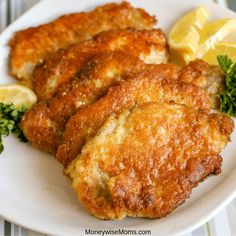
135, 135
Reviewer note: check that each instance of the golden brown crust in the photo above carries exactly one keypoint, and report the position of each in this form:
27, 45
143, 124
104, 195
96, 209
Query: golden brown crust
40, 128
30, 46
145, 87
210, 78
44, 124
105, 70
145, 162
61, 67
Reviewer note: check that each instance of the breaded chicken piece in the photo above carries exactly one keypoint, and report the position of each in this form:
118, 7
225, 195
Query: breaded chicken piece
148, 86
209, 77
61, 67
43, 125
146, 161
30, 46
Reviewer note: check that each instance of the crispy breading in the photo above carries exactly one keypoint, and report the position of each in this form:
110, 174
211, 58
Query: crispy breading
44, 124
30, 46
146, 161
106, 69
61, 67
145, 87
209, 77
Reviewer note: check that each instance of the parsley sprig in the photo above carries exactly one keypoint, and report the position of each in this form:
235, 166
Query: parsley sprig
9, 122
228, 96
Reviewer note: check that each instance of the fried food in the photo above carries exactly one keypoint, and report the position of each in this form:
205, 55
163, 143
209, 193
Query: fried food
146, 161
61, 67
209, 77
31, 46
147, 86
44, 124
140, 136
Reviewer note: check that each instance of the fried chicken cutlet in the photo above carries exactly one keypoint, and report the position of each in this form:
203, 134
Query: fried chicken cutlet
31, 46
44, 123
147, 86
60, 67
209, 77
145, 161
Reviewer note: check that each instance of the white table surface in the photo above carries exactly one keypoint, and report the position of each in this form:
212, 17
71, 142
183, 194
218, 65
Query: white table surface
223, 224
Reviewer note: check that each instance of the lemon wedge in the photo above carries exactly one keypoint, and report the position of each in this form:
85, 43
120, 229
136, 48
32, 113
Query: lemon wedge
18, 95
184, 36
191, 37
212, 33
186, 42
222, 48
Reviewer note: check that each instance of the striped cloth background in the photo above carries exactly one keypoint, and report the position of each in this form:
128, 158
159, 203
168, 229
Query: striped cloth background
223, 224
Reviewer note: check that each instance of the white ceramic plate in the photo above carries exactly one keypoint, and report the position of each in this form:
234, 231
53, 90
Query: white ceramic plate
33, 191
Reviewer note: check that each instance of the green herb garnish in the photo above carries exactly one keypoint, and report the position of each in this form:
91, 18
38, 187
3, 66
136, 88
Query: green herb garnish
9, 122
228, 96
